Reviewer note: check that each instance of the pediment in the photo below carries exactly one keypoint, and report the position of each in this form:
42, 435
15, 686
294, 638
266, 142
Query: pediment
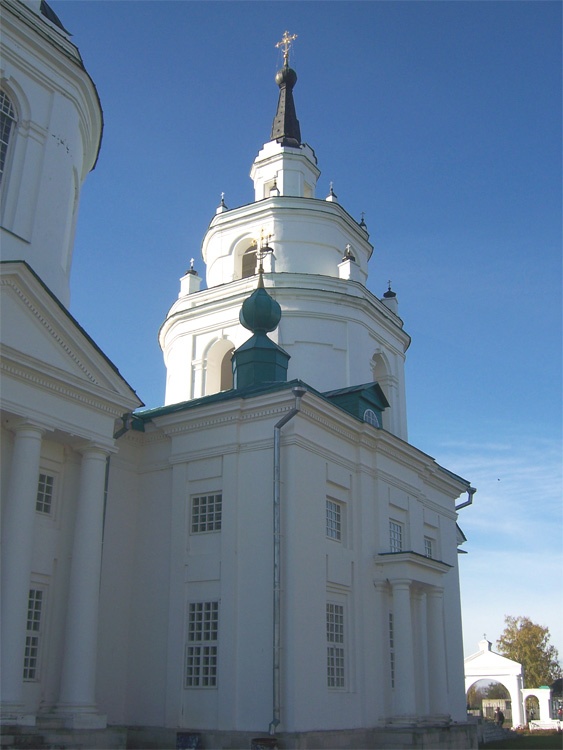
39, 334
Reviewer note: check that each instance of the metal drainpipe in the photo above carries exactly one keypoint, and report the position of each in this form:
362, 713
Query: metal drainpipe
470, 492
298, 392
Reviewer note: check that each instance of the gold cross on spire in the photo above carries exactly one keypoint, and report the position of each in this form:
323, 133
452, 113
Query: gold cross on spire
286, 40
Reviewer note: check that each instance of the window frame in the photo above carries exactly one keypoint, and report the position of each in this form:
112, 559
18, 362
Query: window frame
42, 495
195, 522
334, 526
7, 134
396, 535
336, 661
391, 650
201, 649
34, 632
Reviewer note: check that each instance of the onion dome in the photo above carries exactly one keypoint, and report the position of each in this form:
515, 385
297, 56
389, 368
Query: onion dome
260, 313
259, 360
389, 294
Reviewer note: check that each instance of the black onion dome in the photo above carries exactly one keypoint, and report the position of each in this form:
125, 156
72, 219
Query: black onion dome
260, 313
286, 76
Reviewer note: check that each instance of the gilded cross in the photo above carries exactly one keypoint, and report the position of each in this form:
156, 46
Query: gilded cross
286, 40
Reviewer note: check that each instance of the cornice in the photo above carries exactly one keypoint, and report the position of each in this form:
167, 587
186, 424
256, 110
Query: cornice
42, 27
308, 287
57, 382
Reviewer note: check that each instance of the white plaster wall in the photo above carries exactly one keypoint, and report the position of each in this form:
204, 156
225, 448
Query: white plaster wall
228, 447
52, 148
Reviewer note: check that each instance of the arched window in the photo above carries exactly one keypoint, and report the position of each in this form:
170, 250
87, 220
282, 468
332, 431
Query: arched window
249, 263
7, 122
371, 418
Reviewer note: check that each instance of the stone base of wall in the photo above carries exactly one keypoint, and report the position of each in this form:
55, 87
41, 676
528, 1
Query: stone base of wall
452, 737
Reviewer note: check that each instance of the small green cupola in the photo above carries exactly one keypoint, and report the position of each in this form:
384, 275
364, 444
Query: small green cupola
366, 402
259, 360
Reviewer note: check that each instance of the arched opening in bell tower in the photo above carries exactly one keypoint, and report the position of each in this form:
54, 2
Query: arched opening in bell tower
248, 262
219, 373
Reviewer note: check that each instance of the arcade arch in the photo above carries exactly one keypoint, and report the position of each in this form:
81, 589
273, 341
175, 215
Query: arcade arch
218, 371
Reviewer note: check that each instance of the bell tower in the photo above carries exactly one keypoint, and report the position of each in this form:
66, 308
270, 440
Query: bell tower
314, 257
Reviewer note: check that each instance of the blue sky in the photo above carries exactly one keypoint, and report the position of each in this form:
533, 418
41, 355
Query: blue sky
442, 122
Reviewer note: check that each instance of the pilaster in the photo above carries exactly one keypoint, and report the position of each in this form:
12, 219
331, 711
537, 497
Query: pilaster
438, 686
17, 547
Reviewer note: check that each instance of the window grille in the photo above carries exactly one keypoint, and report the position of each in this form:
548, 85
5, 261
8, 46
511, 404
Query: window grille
333, 520
31, 655
45, 487
335, 645
391, 649
428, 551
395, 536
201, 649
206, 513
7, 121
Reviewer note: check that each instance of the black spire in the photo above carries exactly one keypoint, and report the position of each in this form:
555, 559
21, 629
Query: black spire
285, 128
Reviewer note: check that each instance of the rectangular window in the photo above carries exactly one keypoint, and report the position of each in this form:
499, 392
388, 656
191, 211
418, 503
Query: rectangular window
206, 513
428, 551
333, 520
31, 655
44, 501
335, 645
201, 649
395, 536
391, 649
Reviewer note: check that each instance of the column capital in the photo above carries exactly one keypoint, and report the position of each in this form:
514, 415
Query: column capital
435, 591
31, 426
400, 583
380, 585
92, 448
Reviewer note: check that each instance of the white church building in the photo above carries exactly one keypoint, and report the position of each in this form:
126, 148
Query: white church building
264, 555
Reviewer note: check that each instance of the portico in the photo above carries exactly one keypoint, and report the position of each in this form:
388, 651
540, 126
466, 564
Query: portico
413, 591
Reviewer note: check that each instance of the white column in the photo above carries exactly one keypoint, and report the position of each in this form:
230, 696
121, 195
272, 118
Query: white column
78, 680
381, 693
421, 650
438, 683
405, 700
17, 548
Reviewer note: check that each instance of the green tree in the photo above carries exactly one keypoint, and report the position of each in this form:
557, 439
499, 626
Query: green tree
496, 690
527, 643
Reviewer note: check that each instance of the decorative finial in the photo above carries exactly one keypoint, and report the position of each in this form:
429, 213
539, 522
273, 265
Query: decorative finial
191, 269
286, 40
261, 253
389, 294
348, 254
331, 194
223, 200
